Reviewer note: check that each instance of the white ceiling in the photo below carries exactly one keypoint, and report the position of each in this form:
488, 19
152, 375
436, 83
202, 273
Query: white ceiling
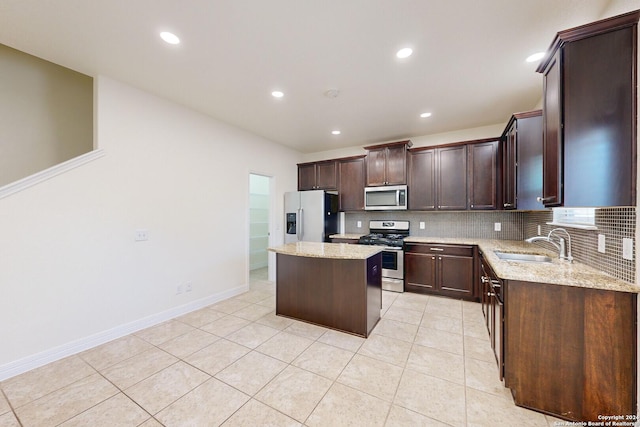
468, 65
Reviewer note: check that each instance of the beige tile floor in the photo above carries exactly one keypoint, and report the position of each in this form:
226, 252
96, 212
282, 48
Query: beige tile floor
427, 363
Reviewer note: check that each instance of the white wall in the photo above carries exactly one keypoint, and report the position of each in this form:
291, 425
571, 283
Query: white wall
69, 267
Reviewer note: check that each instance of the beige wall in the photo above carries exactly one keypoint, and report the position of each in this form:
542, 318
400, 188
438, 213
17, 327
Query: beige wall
46, 114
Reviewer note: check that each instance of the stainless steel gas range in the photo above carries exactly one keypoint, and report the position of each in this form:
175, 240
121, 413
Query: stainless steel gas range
389, 234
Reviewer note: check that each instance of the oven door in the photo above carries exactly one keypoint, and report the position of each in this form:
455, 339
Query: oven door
393, 269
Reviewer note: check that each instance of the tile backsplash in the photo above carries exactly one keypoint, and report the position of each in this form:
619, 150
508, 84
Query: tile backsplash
615, 223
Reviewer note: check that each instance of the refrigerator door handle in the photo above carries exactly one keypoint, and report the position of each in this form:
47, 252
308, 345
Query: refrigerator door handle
300, 225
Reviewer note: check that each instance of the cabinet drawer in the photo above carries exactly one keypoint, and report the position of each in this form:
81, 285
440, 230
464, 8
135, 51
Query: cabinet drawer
425, 248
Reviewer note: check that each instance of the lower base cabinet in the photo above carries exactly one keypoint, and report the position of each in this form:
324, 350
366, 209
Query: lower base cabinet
493, 309
571, 351
447, 270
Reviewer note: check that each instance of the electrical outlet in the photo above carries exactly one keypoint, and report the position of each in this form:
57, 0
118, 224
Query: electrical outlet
539, 230
178, 289
141, 235
497, 226
627, 248
188, 287
601, 243
359, 224
422, 225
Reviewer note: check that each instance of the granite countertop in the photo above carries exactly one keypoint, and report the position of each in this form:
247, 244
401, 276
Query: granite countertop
346, 236
557, 272
327, 250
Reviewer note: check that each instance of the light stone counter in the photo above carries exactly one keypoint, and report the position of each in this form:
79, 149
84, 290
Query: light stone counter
327, 250
557, 272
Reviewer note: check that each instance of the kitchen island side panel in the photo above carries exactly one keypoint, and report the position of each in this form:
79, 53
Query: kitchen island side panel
336, 293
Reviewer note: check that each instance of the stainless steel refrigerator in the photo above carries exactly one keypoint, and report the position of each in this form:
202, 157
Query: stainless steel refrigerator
310, 216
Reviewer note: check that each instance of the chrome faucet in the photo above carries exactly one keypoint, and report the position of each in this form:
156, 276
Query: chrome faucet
564, 250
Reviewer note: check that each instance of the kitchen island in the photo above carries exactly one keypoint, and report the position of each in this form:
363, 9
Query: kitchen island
335, 285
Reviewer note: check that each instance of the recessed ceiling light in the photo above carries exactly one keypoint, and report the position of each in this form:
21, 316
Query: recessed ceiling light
335, 132
424, 115
535, 57
169, 37
404, 53
277, 94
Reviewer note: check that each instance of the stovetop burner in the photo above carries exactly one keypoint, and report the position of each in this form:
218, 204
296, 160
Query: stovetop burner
386, 233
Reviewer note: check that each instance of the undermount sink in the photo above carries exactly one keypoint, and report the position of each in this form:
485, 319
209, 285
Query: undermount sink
508, 256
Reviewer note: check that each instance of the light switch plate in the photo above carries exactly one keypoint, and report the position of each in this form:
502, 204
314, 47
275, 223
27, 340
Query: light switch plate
627, 248
601, 243
539, 230
497, 226
421, 225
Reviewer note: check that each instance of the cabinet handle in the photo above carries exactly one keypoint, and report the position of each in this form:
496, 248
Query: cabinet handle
508, 205
484, 279
545, 199
436, 249
490, 294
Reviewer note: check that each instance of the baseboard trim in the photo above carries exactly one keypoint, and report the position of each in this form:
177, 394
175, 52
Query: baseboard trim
28, 363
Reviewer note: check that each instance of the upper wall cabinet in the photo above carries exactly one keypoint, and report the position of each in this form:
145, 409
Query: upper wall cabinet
351, 176
589, 122
451, 178
386, 164
522, 161
484, 175
318, 176
454, 177
438, 178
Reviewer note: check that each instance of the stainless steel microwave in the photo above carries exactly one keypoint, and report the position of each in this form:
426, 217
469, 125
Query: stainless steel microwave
387, 198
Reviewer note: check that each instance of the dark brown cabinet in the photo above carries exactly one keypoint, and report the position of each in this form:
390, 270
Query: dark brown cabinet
421, 179
451, 178
509, 164
318, 176
387, 164
440, 269
522, 161
493, 310
589, 109
454, 177
483, 175
351, 176
570, 351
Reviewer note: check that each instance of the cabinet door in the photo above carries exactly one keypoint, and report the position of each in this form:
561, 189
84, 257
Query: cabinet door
351, 184
419, 270
456, 275
307, 176
326, 175
422, 179
483, 175
509, 167
529, 169
599, 120
376, 165
451, 181
396, 172
552, 122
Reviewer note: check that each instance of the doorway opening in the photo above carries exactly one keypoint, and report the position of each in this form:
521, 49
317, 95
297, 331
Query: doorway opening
259, 222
